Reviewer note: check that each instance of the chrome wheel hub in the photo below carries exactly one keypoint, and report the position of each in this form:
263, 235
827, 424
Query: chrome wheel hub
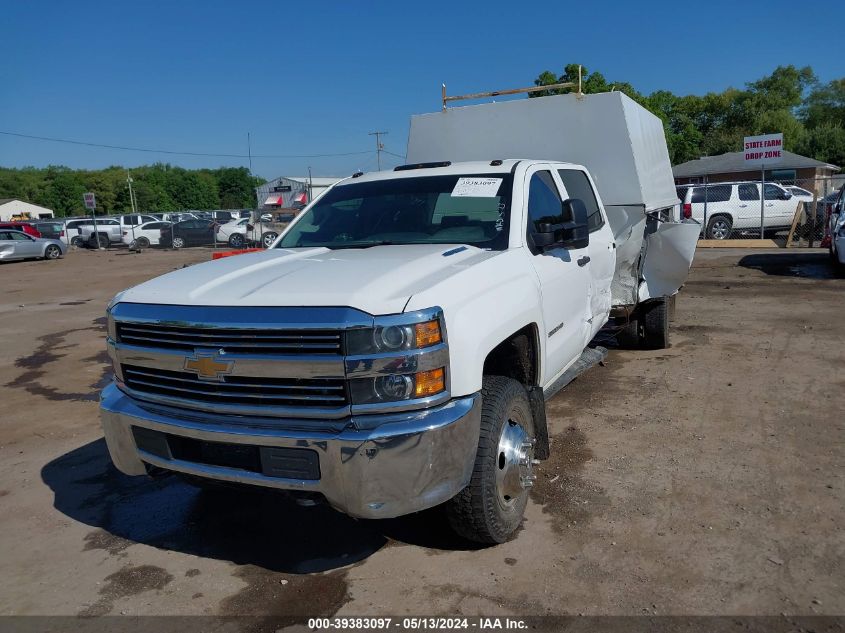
720, 230
514, 462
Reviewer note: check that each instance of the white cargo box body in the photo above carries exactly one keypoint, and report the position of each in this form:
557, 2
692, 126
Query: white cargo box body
621, 143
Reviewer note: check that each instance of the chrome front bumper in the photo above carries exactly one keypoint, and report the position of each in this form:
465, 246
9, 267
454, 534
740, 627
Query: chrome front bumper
410, 462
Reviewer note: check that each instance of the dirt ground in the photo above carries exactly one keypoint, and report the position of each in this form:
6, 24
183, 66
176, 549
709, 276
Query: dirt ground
699, 480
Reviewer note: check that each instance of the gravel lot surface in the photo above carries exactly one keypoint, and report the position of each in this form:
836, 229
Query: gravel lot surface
702, 479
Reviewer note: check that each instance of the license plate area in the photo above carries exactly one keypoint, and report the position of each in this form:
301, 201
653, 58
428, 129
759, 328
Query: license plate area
271, 461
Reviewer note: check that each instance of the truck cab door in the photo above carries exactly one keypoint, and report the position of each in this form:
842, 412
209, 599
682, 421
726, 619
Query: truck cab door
563, 276
601, 250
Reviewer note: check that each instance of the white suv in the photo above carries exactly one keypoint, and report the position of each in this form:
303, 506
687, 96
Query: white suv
734, 207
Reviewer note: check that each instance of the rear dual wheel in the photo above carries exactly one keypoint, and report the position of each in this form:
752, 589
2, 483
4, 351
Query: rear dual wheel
490, 508
648, 328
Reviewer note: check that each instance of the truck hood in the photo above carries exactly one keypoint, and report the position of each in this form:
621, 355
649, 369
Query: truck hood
377, 280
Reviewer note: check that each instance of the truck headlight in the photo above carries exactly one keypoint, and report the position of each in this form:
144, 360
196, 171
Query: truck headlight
401, 357
397, 387
393, 337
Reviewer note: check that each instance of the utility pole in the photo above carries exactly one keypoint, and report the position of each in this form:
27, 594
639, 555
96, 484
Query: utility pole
132, 202
379, 146
249, 150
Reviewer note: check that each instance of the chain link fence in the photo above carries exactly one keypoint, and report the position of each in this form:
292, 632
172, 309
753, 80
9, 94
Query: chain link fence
791, 212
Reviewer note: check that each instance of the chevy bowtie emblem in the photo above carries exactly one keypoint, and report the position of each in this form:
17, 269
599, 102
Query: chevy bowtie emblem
208, 366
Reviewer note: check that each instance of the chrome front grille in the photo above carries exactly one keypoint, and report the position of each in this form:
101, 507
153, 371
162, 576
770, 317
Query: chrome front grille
231, 340
237, 390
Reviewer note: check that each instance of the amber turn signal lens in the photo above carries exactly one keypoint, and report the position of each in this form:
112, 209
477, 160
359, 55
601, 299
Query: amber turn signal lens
427, 333
428, 383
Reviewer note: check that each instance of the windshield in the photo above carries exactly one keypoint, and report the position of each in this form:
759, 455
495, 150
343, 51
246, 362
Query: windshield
469, 209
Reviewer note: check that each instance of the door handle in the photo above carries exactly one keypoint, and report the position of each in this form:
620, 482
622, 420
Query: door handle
583, 261
743, 206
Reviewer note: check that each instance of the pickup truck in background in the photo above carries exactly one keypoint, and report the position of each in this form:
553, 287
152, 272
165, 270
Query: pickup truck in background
394, 349
108, 231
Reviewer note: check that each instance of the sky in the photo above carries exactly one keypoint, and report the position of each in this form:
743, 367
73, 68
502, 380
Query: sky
315, 78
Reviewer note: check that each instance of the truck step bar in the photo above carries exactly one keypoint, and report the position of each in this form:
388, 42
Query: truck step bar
590, 357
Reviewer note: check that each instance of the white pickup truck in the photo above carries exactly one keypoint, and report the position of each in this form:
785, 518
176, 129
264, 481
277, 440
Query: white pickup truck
394, 349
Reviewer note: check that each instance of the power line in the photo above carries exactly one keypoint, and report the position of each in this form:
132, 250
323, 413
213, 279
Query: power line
392, 154
165, 151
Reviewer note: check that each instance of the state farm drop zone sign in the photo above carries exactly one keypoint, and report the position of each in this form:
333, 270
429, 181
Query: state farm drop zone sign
763, 149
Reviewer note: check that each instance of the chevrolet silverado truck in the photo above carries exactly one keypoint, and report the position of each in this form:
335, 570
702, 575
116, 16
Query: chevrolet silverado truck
394, 349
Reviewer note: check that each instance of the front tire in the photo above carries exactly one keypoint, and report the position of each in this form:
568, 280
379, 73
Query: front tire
236, 240
178, 242
490, 508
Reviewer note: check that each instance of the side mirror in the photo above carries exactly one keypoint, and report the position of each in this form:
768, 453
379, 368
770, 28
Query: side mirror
572, 234
785, 195
576, 233
249, 227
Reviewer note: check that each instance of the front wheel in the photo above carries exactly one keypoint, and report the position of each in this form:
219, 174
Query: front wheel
490, 508
52, 252
178, 242
236, 240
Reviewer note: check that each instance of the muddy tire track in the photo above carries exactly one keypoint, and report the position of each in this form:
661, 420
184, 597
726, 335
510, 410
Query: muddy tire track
48, 352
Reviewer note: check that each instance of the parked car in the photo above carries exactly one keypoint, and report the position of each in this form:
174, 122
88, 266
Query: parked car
50, 230
836, 229
800, 193
225, 216
241, 233
70, 234
726, 208
179, 216
188, 233
267, 217
19, 245
107, 232
25, 227
134, 219
144, 235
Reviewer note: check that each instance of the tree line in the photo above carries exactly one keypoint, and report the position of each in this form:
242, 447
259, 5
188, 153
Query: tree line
158, 187
791, 100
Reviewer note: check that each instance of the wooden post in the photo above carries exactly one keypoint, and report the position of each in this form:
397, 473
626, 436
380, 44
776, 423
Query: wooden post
794, 224
813, 216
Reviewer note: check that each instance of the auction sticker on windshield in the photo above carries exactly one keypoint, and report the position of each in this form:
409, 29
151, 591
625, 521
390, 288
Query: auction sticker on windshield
476, 187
